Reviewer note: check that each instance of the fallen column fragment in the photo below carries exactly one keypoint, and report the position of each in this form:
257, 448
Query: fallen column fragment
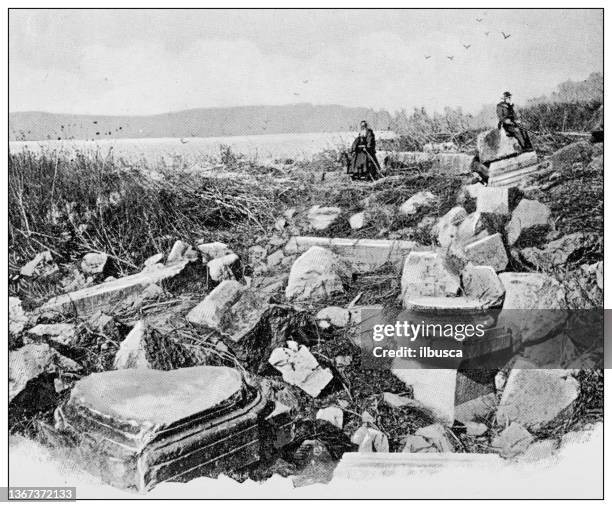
366, 255
91, 299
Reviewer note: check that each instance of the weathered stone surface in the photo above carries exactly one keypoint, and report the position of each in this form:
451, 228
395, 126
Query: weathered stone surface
482, 283
154, 259
89, 300
540, 450
476, 409
149, 294
370, 440
495, 144
210, 311
41, 266
529, 217
213, 250
454, 163
422, 199
276, 258
436, 435
513, 172
177, 253
552, 353
300, 368
488, 251
223, 268
433, 388
62, 333
446, 227
17, 317
418, 444
564, 159
473, 190
560, 251
512, 441
475, 428
316, 463
146, 348
396, 401
316, 275
321, 217
94, 262
334, 316
365, 255
134, 443
357, 221
333, 415
534, 397
443, 304
534, 292
493, 200
426, 274
33, 360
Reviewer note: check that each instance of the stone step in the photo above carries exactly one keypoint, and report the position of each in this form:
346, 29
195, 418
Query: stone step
513, 178
365, 255
512, 163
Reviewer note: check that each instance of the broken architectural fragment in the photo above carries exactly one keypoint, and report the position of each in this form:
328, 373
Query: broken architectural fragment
146, 348
482, 283
533, 304
321, 217
316, 275
488, 251
94, 262
533, 397
529, 217
33, 360
422, 199
204, 420
211, 310
88, 300
426, 274
300, 368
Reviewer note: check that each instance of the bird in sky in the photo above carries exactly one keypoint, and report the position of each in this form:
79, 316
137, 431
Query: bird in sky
506, 36
427, 57
450, 57
487, 33
305, 81
295, 93
479, 20
467, 46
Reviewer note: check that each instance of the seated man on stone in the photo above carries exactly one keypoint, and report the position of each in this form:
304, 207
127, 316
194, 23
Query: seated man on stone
508, 120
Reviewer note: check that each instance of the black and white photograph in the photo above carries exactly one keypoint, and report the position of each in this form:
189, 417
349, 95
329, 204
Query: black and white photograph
304, 253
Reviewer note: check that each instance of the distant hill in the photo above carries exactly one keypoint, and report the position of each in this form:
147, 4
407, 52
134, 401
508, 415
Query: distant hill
203, 122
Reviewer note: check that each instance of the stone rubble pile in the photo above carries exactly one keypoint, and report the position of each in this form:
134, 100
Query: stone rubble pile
257, 320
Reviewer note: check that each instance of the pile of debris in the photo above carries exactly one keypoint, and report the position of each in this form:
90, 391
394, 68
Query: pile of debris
271, 343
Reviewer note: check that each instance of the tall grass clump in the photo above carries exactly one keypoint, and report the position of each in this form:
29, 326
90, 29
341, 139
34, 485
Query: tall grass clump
78, 203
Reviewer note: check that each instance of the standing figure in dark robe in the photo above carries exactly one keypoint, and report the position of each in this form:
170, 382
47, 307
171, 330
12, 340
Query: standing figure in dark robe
364, 163
509, 121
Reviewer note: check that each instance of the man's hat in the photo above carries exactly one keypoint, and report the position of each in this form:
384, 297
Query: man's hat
507, 94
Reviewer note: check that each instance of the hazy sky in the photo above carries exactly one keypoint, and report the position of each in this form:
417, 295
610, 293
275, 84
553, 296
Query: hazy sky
154, 61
